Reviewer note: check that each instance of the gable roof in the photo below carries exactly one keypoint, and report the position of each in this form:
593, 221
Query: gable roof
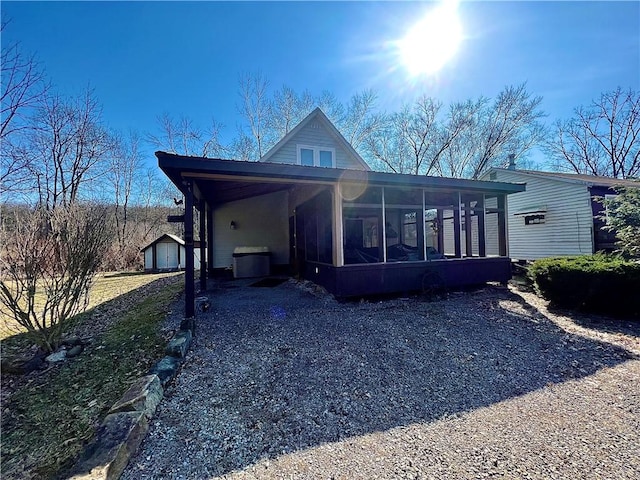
316, 114
178, 240
589, 180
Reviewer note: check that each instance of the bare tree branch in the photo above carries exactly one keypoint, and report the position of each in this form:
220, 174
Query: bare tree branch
602, 139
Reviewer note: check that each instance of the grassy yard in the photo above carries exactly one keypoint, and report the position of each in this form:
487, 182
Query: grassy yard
52, 414
107, 286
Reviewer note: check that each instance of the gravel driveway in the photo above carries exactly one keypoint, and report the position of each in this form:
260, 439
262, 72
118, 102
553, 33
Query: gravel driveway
285, 382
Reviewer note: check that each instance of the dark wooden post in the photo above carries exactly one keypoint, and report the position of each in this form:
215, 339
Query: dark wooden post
502, 226
482, 241
468, 240
189, 275
203, 247
440, 230
210, 240
456, 228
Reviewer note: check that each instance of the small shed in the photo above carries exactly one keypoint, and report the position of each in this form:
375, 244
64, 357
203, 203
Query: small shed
167, 253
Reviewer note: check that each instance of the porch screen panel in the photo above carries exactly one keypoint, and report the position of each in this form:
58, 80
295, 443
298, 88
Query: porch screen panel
314, 218
362, 226
404, 228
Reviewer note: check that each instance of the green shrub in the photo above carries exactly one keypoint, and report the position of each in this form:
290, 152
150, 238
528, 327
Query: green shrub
595, 283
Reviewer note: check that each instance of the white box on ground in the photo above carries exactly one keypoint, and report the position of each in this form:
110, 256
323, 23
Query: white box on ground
251, 262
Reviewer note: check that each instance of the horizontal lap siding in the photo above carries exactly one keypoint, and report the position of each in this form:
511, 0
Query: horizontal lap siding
568, 227
261, 221
314, 134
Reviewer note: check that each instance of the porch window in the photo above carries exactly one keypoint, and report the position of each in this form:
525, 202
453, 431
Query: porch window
312, 156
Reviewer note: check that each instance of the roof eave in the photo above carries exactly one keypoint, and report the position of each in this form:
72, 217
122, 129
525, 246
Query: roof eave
175, 166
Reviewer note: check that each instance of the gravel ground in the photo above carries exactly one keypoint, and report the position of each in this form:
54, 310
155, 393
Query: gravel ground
285, 382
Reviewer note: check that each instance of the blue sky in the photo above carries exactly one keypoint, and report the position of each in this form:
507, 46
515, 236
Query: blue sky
146, 58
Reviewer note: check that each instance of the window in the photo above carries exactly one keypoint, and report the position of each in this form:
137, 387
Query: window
533, 219
316, 156
306, 157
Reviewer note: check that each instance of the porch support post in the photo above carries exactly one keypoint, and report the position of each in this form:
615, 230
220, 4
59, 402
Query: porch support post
456, 229
482, 240
384, 229
440, 232
502, 226
338, 230
189, 287
424, 228
209, 240
467, 228
203, 246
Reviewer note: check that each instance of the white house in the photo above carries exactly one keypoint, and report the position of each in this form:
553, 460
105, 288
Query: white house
167, 253
557, 214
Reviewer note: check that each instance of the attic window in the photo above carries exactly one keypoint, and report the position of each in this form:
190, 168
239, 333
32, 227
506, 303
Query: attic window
533, 219
316, 156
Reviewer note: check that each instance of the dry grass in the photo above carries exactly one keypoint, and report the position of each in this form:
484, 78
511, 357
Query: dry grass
106, 287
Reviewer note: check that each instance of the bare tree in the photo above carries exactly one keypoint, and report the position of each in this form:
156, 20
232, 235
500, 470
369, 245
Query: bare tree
68, 148
472, 136
360, 120
22, 88
601, 139
47, 265
125, 166
255, 108
182, 136
287, 110
510, 126
464, 133
243, 147
410, 141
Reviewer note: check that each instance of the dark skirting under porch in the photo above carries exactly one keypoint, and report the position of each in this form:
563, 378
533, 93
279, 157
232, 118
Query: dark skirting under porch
406, 277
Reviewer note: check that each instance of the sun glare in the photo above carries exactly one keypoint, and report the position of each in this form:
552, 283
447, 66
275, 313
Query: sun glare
433, 41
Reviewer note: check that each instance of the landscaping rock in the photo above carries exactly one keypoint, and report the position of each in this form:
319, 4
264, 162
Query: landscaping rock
166, 369
189, 324
58, 356
117, 440
143, 396
23, 364
179, 344
74, 351
71, 341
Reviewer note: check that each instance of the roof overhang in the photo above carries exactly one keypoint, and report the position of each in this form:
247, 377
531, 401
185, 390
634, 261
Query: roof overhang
220, 181
531, 210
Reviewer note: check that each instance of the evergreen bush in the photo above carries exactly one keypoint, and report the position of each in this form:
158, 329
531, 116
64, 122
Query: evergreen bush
595, 283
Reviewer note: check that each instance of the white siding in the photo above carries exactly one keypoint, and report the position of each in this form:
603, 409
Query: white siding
568, 221
261, 222
316, 135
148, 258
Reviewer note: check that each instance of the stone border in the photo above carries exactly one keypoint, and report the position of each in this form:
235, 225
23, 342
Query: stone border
126, 425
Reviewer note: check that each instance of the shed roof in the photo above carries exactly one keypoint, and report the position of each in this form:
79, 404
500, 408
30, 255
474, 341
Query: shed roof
178, 240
